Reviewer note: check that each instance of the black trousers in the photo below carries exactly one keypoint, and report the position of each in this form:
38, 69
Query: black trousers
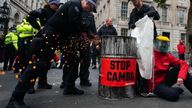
166, 91
10, 53
43, 47
85, 58
71, 57
182, 56
23, 53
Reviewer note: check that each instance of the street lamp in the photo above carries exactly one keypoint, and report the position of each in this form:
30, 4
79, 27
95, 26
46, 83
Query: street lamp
4, 17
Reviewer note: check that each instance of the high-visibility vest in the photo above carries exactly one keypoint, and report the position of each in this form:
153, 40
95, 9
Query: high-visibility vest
25, 30
12, 38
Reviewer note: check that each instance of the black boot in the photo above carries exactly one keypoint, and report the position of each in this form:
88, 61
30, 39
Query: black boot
72, 91
44, 86
16, 103
86, 83
31, 90
62, 86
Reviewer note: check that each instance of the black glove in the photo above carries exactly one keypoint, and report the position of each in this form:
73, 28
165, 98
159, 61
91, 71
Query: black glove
132, 26
150, 14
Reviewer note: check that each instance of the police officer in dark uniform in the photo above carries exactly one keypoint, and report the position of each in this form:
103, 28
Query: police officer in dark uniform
83, 53
38, 18
63, 27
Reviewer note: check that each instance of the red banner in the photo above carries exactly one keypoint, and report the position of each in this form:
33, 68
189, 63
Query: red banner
118, 72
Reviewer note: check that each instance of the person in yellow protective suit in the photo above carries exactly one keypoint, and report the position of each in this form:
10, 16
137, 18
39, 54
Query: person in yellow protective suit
11, 47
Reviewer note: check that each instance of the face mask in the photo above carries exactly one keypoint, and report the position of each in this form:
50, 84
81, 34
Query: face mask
162, 46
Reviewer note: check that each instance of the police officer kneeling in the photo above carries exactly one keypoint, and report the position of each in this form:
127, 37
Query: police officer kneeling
65, 24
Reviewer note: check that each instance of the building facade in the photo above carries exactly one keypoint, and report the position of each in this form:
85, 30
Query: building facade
172, 23
20, 8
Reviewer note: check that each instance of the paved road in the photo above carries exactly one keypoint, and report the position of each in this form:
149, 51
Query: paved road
54, 99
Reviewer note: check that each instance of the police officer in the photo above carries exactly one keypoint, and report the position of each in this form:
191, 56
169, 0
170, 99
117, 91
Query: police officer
83, 53
64, 25
11, 47
25, 33
38, 18
43, 14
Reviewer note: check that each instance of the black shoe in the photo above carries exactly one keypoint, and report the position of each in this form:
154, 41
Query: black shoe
16, 104
44, 86
31, 91
73, 91
87, 84
62, 86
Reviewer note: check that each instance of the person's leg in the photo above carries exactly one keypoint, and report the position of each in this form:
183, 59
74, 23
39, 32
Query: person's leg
70, 69
22, 87
172, 75
165, 90
6, 57
12, 56
84, 65
42, 83
94, 55
42, 50
141, 84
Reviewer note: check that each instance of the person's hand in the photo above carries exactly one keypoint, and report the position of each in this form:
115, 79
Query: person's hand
132, 26
179, 81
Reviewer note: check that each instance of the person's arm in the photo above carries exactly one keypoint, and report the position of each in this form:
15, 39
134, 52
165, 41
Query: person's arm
32, 18
131, 21
153, 13
74, 15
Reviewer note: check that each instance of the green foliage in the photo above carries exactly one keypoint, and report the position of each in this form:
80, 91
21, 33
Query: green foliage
161, 3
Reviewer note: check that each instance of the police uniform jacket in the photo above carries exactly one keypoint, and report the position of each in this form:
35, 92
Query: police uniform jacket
12, 38
43, 14
89, 23
67, 21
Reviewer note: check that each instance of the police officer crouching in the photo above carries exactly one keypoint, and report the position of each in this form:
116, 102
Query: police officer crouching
64, 25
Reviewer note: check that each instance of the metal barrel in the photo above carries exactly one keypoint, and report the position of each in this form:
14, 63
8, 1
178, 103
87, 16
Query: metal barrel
118, 67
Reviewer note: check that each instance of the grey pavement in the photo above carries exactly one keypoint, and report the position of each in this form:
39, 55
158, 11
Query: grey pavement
55, 99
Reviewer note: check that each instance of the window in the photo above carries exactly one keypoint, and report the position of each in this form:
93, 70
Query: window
181, 1
181, 16
164, 14
124, 31
166, 34
124, 10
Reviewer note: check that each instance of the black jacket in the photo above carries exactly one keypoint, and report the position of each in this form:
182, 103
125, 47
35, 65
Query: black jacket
104, 30
67, 20
43, 14
89, 23
145, 10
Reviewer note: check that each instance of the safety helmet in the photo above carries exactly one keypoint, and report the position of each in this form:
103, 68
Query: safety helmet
162, 44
